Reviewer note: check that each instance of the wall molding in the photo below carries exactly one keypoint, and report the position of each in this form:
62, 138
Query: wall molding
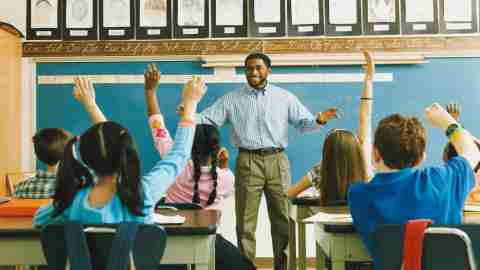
226, 77
464, 45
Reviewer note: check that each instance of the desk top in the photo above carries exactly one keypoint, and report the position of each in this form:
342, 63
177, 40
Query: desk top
197, 222
306, 201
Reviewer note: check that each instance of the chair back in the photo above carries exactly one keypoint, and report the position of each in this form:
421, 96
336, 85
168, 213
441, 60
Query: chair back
103, 247
14, 178
445, 247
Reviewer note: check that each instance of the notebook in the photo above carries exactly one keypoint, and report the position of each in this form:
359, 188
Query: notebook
164, 219
22, 207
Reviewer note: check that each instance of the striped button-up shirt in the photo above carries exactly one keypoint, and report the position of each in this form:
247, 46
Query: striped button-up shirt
259, 119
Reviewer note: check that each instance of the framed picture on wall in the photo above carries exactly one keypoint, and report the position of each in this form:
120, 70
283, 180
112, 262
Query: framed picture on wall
419, 17
458, 16
80, 20
305, 18
44, 19
191, 18
343, 17
381, 17
267, 18
117, 19
229, 18
153, 19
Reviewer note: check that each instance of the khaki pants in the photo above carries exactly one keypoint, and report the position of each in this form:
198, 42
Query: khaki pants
256, 174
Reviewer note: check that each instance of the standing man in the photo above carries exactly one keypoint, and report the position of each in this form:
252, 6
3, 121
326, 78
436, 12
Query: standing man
260, 114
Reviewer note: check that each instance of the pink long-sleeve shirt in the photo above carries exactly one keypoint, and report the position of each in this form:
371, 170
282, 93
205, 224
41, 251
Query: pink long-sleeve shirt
181, 191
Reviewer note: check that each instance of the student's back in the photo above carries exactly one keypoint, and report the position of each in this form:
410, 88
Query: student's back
399, 192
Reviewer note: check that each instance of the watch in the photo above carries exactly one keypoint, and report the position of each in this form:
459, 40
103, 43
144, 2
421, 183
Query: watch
320, 122
451, 129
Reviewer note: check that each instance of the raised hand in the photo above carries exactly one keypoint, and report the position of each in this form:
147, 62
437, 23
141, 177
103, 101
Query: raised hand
152, 77
83, 91
438, 116
194, 90
454, 110
369, 67
329, 114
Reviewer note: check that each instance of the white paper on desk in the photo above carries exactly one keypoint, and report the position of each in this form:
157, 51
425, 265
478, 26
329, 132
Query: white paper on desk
343, 11
419, 10
267, 11
473, 207
458, 10
326, 218
163, 219
305, 12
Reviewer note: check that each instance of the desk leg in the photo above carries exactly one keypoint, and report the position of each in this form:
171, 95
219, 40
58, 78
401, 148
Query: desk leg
320, 257
302, 252
292, 245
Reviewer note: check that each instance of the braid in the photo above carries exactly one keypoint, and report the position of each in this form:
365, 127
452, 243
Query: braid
196, 178
213, 172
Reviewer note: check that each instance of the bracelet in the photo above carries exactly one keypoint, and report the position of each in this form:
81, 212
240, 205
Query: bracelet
455, 134
366, 98
187, 122
451, 129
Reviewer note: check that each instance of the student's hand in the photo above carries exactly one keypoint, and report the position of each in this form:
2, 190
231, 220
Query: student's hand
329, 114
223, 156
369, 67
454, 110
438, 116
152, 78
84, 92
194, 90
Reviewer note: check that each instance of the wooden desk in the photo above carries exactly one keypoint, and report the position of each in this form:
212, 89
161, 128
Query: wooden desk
341, 243
190, 243
301, 208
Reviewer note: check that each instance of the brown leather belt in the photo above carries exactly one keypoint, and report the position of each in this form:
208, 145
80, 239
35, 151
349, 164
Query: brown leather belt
262, 151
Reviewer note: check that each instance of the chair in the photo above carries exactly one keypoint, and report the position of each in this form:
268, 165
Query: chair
103, 247
14, 178
444, 247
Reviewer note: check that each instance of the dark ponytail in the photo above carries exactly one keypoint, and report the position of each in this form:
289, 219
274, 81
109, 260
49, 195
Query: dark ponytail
206, 145
213, 172
129, 189
71, 177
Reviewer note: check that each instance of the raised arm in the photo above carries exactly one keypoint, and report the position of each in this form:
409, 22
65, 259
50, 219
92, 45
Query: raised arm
166, 170
365, 130
303, 120
84, 93
461, 139
161, 137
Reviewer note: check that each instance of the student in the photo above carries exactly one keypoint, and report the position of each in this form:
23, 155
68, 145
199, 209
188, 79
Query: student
399, 192
116, 192
48, 144
342, 149
206, 180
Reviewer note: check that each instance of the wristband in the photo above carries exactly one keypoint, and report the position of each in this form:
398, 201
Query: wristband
451, 129
321, 123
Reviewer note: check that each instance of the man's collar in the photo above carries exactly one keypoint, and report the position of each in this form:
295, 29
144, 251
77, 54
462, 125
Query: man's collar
252, 90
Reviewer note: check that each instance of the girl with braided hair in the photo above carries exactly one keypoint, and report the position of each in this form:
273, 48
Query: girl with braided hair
206, 180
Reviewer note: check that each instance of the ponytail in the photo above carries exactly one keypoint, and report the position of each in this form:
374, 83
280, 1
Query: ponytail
71, 177
128, 186
196, 178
